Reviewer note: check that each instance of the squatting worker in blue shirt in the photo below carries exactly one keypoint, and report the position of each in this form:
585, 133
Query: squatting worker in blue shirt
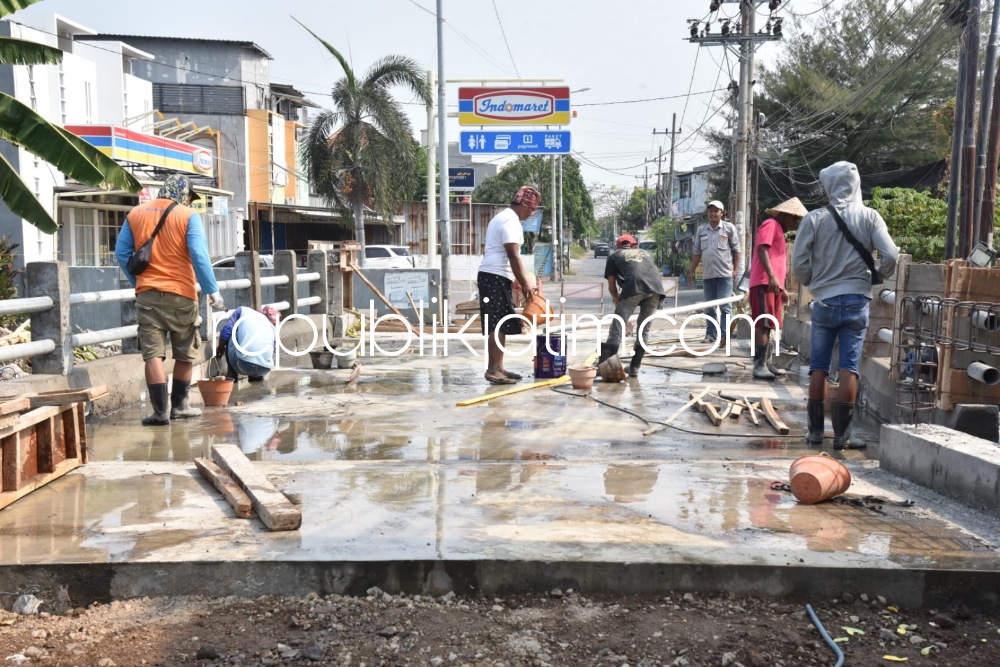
166, 301
717, 248
248, 341
840, 282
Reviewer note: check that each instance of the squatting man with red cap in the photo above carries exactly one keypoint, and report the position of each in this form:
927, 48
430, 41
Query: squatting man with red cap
634, 282
501, 266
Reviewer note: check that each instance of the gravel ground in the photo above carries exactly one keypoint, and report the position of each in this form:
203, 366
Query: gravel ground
531, 630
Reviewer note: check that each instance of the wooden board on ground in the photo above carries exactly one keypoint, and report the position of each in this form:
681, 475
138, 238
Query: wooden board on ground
713, 414
772, 416
751, 411
229, 489
736, 409
271, 506
516, 390
355, 372
39, 446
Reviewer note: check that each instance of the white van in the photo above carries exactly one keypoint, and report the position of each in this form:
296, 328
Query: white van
388, 257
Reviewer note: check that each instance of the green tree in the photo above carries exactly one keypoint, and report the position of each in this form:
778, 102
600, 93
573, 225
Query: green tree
361, 152
536, 171
866, 81
916, 221
23, 127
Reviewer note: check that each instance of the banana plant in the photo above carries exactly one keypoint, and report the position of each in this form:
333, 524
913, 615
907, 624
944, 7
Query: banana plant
22, 126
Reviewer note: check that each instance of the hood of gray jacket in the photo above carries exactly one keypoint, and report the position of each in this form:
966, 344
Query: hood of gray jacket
842, 184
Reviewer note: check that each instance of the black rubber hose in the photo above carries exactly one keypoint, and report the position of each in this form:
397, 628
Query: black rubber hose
826, 637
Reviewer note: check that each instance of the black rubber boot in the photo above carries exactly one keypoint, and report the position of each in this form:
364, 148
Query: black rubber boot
179, 408
841, 414
637, 354
158, 397
769, 360
816, 410
760, 370
608, 350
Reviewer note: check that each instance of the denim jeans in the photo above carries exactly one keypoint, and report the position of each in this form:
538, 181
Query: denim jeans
647, 303
718, 288
842, 319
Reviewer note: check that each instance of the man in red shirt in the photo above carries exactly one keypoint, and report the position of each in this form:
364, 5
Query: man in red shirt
767, 281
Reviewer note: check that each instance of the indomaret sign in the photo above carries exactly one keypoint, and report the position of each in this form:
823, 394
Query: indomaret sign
514, 106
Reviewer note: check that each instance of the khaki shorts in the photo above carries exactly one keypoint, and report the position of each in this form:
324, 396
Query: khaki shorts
163, 313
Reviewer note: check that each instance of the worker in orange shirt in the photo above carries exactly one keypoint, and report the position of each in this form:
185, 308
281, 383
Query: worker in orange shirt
166, 300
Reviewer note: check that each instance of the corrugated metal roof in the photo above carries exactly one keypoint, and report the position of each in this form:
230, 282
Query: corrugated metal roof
125, 38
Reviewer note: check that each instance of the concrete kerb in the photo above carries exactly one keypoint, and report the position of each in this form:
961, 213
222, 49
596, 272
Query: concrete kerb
953, 464
103, 582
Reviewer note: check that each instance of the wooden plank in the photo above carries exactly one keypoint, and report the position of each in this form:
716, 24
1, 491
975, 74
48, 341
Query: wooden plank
14, 405
379, 294
697, 401
713, 414
46, 445
772, 416
516, 390
65, 397
750, 411
736, 409
10, 476
80, 435
725, 413
229, 489
695, 398
31, 418
38, 481
271, 506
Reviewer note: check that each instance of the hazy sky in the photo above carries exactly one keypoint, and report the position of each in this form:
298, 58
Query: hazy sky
631, 54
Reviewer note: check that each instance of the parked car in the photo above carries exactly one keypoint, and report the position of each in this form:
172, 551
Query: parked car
265, 262
388, 257
602, 250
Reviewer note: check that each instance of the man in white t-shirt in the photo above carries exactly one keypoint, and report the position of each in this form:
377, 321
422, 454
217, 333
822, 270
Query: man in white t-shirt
500, 268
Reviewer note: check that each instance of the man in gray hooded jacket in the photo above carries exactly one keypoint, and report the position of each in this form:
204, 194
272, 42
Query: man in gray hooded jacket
841, 286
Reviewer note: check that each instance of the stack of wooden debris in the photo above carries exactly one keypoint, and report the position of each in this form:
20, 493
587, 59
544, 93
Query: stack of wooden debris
732, 407
43, 436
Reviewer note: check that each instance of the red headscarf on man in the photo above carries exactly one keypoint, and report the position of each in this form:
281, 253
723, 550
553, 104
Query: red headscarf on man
528, 197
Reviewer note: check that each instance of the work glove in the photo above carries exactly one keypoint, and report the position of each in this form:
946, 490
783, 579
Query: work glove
216, 302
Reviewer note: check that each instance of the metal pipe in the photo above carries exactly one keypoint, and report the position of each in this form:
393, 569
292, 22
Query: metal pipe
236, 283
982, 373
887, 295
23, 350
280, 305
308, 301
274, 280
104, 335
107, 296
307, 277
34, 304
885, 335
984, 319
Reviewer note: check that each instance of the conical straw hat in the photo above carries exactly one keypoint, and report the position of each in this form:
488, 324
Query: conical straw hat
792, 207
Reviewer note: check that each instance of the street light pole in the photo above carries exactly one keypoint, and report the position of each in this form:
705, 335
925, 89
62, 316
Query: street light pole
444, 213
432, 235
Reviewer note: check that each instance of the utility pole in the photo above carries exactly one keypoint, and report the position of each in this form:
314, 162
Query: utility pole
432, 256
670, 178
985, 114
562, 215
445, 205
747, 37
967, 216
645, 193
555, 220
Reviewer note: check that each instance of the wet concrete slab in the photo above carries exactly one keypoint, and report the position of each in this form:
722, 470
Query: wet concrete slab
403, 489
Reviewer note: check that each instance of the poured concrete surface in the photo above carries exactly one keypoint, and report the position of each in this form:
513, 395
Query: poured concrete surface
403, 489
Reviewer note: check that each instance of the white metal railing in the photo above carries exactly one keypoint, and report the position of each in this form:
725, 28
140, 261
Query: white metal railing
46, 334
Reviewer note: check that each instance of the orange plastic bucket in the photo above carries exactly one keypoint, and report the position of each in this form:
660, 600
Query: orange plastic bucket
817, 478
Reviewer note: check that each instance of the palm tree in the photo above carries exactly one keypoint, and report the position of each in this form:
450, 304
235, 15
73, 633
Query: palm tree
361, 152
22, 126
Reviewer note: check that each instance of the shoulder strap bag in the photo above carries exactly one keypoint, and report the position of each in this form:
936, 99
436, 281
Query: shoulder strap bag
140, 259
866, 256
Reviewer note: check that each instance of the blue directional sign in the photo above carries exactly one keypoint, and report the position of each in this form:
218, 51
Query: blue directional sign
531, 142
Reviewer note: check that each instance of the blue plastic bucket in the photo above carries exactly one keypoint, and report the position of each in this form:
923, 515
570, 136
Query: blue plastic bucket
550, 365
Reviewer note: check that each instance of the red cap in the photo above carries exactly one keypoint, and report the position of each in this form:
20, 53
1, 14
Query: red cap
623, 239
